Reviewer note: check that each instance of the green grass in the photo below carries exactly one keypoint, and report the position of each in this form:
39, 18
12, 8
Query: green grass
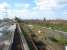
59, 27
60, 40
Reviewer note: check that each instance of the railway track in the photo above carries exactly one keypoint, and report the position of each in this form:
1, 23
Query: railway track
17, 41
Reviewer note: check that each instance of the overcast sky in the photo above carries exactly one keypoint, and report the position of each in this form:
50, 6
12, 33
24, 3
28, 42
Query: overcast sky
33, 9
